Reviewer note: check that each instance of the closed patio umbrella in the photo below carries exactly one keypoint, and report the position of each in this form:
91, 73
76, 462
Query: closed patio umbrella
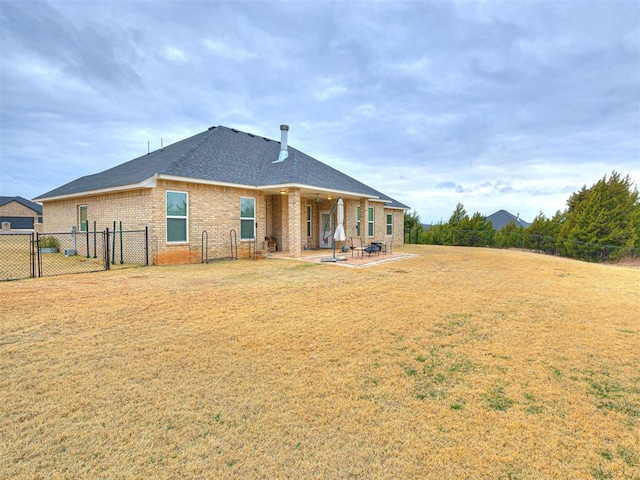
339, 234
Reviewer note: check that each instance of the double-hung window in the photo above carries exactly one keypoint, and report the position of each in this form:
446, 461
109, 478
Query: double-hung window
177, 217
370, 226
389, 224
308, 221
247, 218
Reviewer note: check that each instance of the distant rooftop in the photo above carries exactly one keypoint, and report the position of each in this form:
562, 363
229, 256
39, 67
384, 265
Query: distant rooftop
36, 207
502, 218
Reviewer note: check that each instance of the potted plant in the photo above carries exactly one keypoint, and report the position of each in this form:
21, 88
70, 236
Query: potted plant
49, 244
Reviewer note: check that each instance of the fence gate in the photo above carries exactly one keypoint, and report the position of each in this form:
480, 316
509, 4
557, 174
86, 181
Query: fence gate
70, 252
17, 254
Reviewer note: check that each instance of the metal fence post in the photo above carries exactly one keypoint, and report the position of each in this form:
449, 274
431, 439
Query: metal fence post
113, 245
146, 246
33, 256
87, 232
105, 238
121, 252
39, 258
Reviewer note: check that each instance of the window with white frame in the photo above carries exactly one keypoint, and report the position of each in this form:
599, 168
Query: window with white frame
247, 218
309, 221
358, 212
82, 218
370, 217
177, 217
389, 223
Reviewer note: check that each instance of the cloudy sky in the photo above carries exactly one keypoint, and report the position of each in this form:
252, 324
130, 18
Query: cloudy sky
498, 105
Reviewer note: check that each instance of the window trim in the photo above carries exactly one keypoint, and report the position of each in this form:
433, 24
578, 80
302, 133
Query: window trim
179, 217
309, 218
253, 220
86, 219
389, 225
371, 217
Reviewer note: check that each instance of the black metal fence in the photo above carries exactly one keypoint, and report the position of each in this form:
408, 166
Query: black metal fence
591, 252
16, 256
61, 253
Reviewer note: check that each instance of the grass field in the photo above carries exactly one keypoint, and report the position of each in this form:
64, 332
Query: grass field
456, 363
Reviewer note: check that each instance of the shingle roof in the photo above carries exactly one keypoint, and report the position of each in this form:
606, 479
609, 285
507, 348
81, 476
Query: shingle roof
224, 155
27, 203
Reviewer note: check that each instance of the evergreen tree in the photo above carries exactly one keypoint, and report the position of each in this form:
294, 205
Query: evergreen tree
457, 216
412, 226
541, 234
608, 213
510, 236
438, 234
474, 231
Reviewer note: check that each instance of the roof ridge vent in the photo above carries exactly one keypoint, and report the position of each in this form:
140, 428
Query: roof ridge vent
284, 152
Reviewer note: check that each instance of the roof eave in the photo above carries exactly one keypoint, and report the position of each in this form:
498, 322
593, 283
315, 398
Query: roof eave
151, 182
313, 190
147, 183
201, 181
275, 188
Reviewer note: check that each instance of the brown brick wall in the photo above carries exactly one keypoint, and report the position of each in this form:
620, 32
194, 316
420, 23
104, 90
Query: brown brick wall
15, 209
212, 208
133, 208
216, 210
380, 221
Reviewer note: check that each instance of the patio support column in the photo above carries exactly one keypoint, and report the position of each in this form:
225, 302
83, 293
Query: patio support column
293, 222
364, 227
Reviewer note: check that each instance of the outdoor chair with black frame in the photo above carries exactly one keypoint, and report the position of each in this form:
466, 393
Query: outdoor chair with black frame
357, 246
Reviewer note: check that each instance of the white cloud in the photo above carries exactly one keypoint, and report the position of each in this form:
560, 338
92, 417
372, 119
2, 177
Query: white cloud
33, 70
224, 48
419, 67
327, 88
365, 110
174, 54
493, 104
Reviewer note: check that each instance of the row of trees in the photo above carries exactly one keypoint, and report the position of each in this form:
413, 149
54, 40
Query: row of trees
601, 222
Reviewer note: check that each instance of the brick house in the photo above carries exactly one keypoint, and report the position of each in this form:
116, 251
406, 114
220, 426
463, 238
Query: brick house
222, 180
17, 213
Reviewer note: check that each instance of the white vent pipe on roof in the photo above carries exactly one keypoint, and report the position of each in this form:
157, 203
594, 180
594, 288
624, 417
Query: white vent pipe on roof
284, 153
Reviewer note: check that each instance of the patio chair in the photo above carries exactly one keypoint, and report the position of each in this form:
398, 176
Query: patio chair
387, 246
357, 246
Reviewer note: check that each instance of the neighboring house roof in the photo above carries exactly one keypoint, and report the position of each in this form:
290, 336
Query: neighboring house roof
225, 156
502, 218
23, 201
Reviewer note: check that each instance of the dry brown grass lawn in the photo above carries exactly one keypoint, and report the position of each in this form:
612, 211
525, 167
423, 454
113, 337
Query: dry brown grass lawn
457, 363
